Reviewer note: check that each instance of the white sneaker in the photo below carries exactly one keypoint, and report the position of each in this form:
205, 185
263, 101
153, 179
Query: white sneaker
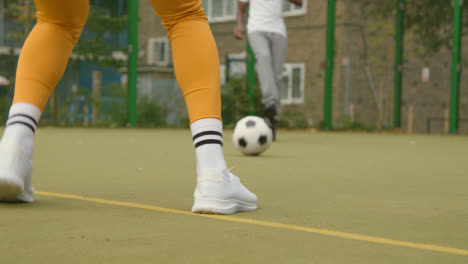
221, 193
15, 175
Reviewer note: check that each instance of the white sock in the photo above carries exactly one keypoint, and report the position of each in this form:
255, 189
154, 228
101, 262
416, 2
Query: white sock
208, 140
21, 126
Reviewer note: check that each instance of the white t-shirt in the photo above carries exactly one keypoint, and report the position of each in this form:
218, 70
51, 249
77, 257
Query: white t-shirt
266, 15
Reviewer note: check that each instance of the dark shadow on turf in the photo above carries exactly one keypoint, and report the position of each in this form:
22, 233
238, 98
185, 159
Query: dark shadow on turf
263, 156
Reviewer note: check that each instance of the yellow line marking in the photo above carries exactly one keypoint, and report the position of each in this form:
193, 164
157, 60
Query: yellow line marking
325, 232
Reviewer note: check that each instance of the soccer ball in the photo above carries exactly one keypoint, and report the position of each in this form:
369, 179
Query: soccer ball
252, 135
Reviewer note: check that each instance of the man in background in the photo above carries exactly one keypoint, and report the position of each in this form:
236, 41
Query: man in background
267, 36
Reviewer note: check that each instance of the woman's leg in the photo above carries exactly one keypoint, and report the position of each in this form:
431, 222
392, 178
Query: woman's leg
41, 64
196, 64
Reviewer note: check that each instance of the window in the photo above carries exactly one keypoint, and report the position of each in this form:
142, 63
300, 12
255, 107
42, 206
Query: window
290, 9
159, 51
225, 10
222, 68
293, 83
220, 10
293, 77
237, 66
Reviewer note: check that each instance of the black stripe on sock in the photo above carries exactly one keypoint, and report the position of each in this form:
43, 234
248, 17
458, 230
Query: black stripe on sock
23, 123
208, 141
23, 115
205, 133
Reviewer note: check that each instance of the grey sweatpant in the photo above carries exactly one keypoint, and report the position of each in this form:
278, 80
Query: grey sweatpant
270, 51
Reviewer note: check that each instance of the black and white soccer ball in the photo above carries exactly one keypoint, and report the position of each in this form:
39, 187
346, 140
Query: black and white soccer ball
252, 135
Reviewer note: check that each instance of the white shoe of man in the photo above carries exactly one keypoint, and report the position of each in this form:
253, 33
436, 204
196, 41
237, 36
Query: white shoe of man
221, 193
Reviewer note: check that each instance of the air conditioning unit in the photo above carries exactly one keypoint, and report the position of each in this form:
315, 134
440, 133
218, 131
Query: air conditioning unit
159, 52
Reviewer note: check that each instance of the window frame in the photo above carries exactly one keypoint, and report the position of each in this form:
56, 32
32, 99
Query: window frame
151, 51
292, 13
296, 12
288, 71
224, 17
222, 70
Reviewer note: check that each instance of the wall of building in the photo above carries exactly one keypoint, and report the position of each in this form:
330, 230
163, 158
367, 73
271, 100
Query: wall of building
369, 46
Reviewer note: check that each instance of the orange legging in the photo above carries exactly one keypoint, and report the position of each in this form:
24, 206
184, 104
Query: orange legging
47, 49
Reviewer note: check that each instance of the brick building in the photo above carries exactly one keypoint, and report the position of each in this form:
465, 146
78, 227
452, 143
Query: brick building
363, 78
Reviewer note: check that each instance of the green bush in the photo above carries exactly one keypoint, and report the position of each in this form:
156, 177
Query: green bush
293, 118
344, 123
5, 102
150, 113
235, 101
115, 114
112, 109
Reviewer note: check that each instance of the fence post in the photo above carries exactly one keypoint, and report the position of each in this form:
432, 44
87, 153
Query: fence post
347, 85
251, 75
132, 60
96, 98
446, 121
398, 64
1, 24
351, 112
54, 107
329, 64
456, 66
28, 17
410, 118
380, 110
86, 115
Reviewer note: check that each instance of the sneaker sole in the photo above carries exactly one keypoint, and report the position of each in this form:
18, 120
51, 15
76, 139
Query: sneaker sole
223, 207
9, 190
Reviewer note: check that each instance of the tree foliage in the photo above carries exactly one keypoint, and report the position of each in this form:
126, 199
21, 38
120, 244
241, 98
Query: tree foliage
431, 21
22, 13
95, 45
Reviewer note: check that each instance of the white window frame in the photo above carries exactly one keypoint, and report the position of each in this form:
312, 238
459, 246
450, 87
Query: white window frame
293, 12
225, 17
222, 68
288, 71
151, 60
296, 12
